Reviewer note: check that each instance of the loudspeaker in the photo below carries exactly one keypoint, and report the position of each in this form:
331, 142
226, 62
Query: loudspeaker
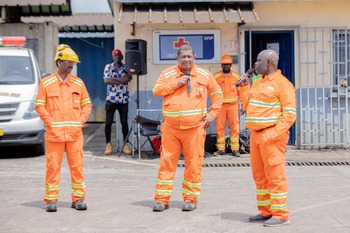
210, 143
136, 56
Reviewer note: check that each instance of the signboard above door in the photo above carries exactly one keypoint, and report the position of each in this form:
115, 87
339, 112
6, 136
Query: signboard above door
205, 43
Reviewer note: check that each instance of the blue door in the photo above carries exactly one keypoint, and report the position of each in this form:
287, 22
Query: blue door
94, 54
283, 43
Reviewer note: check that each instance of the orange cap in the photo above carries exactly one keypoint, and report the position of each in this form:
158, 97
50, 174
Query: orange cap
226, 59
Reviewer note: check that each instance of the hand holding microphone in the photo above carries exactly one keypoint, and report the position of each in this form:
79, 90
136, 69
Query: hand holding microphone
245, 76
187, 73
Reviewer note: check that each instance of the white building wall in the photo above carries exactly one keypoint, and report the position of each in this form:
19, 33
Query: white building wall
45, 33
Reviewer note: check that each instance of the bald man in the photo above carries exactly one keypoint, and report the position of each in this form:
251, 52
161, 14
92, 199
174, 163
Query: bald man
270, 106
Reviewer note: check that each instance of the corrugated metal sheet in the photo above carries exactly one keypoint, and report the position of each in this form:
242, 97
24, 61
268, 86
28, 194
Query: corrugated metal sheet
75, 19
77, 22
218, 12
31, 2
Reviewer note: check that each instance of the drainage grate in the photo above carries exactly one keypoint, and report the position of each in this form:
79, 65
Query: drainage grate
316, 164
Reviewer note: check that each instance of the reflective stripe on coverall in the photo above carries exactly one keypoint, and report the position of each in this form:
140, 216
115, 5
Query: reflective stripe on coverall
183, 129
64, 107
229, 110
270, 111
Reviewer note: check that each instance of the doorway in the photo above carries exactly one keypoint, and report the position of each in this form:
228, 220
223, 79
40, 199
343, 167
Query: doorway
283, 43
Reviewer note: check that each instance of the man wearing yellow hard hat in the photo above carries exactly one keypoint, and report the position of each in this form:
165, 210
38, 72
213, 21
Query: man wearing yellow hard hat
64, 105
227, 79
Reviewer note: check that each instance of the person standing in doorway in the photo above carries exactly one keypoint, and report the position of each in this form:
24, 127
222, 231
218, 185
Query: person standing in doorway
185, 89
116, 78
64, 105
270, 111
227, 80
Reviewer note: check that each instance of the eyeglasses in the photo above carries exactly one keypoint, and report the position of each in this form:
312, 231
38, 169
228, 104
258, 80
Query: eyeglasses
70, 63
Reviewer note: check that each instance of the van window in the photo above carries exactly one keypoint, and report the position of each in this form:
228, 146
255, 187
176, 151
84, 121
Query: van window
16, 70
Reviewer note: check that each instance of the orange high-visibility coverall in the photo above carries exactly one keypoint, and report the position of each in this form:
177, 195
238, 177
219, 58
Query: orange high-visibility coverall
229, 110
64, 107
270, 111
182, 129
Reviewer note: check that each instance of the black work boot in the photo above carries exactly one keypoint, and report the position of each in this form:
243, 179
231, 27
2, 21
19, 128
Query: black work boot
188, 206
79, 205
236, 153
51, 207
160, 207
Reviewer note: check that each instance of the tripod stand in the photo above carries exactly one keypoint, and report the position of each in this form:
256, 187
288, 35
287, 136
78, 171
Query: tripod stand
134, 122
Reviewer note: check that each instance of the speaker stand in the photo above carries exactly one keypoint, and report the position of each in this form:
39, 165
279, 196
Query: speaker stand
134, 122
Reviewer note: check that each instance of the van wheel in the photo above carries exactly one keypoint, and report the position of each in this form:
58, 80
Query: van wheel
38, 149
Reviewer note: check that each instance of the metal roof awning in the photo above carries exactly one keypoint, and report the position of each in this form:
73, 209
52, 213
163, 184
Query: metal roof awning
190, 12
77, 22
31, 2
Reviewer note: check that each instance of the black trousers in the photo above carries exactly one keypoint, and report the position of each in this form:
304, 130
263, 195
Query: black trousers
123, 115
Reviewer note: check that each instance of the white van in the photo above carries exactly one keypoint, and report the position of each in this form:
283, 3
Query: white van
20, 125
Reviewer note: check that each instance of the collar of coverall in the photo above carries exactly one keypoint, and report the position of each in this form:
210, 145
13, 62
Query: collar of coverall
273, 75
181, 72
66, 81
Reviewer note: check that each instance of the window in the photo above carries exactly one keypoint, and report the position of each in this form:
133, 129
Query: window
341, 56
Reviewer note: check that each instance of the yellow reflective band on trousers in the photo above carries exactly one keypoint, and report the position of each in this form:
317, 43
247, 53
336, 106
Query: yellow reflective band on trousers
51, 197
220, 143
191, 189
278, 195
51, 193
164, 187
77, 193
52, 187
262, 191
264, 203
278, 207
78, 186
78, 190
234, 143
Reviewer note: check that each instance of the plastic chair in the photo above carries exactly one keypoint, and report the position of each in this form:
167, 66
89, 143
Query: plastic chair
148, 128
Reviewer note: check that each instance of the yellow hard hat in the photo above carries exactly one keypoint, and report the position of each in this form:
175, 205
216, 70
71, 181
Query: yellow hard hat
65, 53
226, 59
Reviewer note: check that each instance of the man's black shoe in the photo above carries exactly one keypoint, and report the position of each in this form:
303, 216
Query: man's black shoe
79, 205
159, 207
236, 153
258, 218
51, 207
188, 206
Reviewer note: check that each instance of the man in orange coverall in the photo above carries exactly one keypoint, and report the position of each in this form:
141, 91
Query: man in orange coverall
270, 111
64, 105
229, 111
185, 88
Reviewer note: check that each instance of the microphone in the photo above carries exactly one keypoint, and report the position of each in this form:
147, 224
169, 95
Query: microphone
244, 76
187, 73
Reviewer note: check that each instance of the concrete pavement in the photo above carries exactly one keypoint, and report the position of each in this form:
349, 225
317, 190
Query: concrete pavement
120, 194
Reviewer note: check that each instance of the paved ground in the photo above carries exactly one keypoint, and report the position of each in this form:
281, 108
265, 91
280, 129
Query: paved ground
120, 194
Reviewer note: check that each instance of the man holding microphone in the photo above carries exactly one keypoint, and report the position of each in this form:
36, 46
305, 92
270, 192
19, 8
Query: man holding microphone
270, 111
185, 89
